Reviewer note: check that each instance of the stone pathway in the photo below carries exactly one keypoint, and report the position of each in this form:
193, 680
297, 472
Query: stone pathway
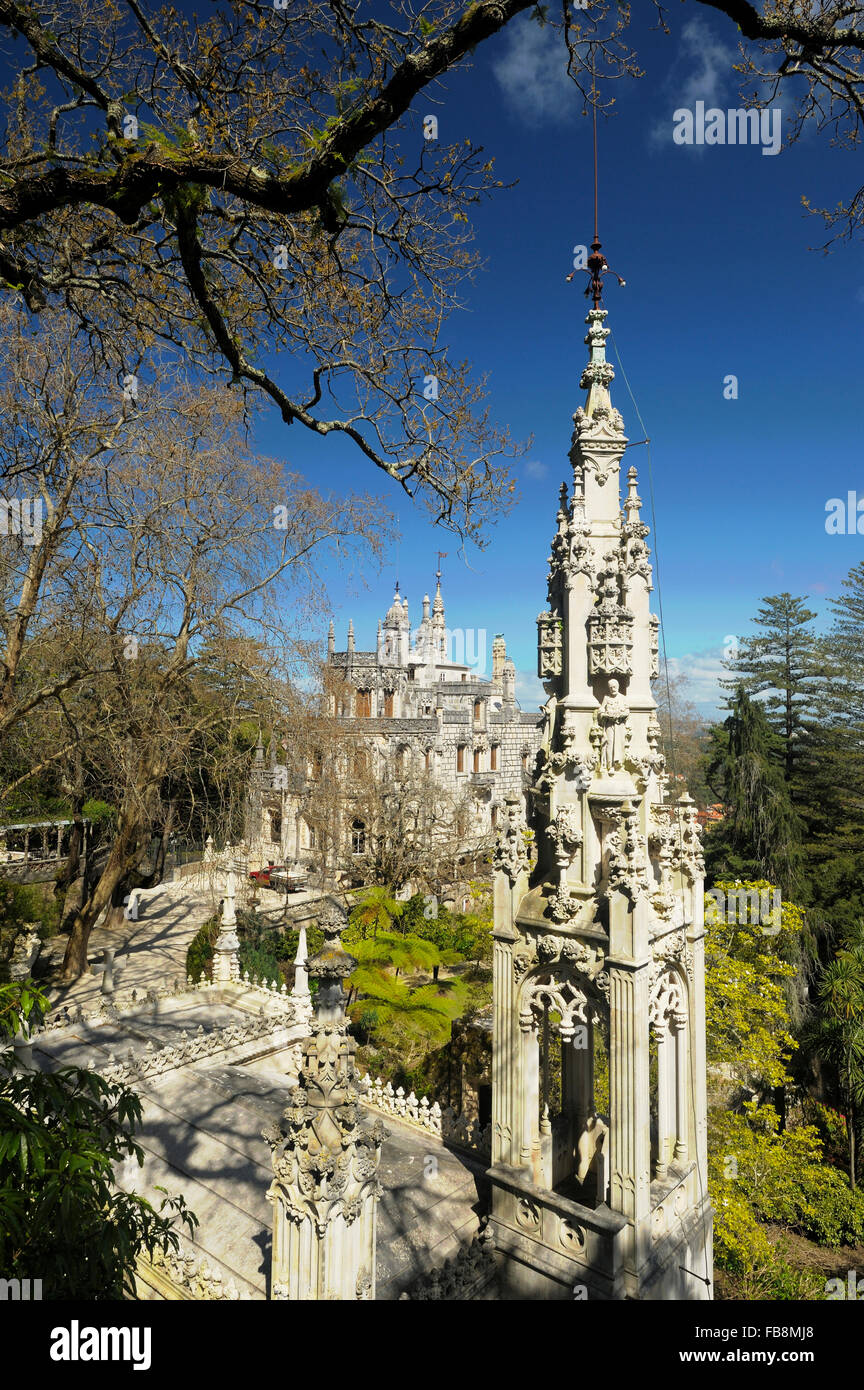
152, 950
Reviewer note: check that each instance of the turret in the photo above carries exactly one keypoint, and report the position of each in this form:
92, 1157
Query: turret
499, 656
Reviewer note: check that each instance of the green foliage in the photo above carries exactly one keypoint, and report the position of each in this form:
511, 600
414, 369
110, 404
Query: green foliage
746, 1009
836, 1030
21, 903
775, 1175
376, 912
199, 952
264, 949
757, 837
404, 1022
61, 1133
390, 951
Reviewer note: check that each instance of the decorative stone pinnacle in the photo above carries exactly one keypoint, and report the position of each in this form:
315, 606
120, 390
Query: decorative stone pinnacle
331, 966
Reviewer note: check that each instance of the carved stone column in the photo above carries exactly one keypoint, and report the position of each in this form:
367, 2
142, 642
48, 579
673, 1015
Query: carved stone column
325, 1161
679, 1026
226, 962
629, 1117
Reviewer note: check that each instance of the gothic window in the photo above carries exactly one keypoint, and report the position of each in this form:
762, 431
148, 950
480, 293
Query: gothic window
460, 758
275, 827
428, 762
493, 758
399, 764
358, 837
478, 711
388, 704
477, 757
564, 1066
312, 837
364, 704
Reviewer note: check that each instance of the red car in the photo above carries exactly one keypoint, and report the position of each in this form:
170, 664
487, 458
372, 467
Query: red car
262, 876
279, 876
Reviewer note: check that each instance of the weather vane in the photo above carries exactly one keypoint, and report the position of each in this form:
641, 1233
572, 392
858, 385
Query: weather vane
596, 265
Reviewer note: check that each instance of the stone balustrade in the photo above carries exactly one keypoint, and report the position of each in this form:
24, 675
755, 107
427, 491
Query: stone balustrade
111, 1006
442, 1121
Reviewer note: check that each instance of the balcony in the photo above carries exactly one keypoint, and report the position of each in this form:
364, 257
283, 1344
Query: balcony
483, 780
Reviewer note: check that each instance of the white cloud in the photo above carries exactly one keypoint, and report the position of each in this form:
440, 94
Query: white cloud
712, 60
702, 672
702, 72
534, 468
529, 690
532, 72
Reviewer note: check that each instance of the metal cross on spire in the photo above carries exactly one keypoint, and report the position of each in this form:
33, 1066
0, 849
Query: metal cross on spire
596, 265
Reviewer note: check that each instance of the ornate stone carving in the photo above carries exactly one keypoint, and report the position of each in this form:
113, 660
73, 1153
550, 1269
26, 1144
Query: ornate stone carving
628, 861
557, 993
324, 1159
689, 857
549, 646
654, 624
598, 441
613, 718
562, 904
511, 848
610, 644
566, 836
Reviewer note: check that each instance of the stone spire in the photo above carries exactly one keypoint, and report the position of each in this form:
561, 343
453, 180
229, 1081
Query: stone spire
350, 634
601, 949
325, 1162
438, 626
331, 639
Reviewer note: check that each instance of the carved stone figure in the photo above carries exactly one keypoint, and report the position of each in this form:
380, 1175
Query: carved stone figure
612, 717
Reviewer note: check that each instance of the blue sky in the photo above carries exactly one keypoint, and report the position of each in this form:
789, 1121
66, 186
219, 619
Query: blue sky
715, 248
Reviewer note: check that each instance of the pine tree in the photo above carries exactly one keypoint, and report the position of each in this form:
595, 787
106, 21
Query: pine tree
832, 776
757, 839
781, 663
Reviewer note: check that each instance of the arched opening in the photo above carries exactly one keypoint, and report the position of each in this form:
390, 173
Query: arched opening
565, 1084
358, 837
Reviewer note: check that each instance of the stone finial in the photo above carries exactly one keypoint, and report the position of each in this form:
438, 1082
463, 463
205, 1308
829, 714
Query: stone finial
324, 1161
331, 639
350, 634
633, 502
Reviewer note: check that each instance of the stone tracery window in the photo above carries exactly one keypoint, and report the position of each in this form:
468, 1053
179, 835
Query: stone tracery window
564, 1032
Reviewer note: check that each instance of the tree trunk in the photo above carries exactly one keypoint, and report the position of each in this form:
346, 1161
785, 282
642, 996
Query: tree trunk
124, 856
71, 868
155, 877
